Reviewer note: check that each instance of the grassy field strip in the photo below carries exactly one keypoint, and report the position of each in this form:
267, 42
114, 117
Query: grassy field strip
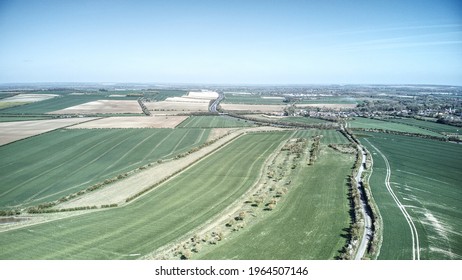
155, 219
414, 233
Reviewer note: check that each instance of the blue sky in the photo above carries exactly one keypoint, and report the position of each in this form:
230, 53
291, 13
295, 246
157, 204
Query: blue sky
232, 42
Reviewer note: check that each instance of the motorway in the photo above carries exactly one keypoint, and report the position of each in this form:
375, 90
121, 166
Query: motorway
213, 107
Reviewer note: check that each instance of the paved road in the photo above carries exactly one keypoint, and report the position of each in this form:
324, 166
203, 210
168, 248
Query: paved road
367, 218
213, 107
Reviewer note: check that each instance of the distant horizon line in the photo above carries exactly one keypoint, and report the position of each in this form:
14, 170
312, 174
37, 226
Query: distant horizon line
224, 84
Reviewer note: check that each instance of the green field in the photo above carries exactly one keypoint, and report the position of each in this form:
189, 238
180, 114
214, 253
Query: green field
251, 99
425, 176
161, 95
19, 118
213, 122
6, 105
49, 166
161, 216
304, 120
433, 126
366, 123
308, 223
329, 100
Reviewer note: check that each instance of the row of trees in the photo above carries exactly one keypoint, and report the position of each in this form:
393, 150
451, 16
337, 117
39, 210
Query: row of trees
314, 151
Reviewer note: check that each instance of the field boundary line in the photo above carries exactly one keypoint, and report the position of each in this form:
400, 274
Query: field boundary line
414, 233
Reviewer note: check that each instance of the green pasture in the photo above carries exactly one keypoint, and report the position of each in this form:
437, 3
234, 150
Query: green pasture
366, 123
213, 122
49, 166
157, 218
309, 223
425, 175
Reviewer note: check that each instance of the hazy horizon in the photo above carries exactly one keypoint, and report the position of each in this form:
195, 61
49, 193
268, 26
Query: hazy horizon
232, 43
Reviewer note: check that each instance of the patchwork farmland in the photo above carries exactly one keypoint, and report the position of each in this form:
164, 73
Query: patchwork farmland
162, 174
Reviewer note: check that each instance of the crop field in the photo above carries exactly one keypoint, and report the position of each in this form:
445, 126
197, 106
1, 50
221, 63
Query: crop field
329, 100
213, 122
425, 177
252, 99
6, 105
366, 123
309, 223
157, 218
331, 106
49, 166
430, 125
277, 100
304, 120
253, 107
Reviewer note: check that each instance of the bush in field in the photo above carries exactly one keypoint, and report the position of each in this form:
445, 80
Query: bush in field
9, 212
230, 223
197, 248
186, 254
269, 207
241, 216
